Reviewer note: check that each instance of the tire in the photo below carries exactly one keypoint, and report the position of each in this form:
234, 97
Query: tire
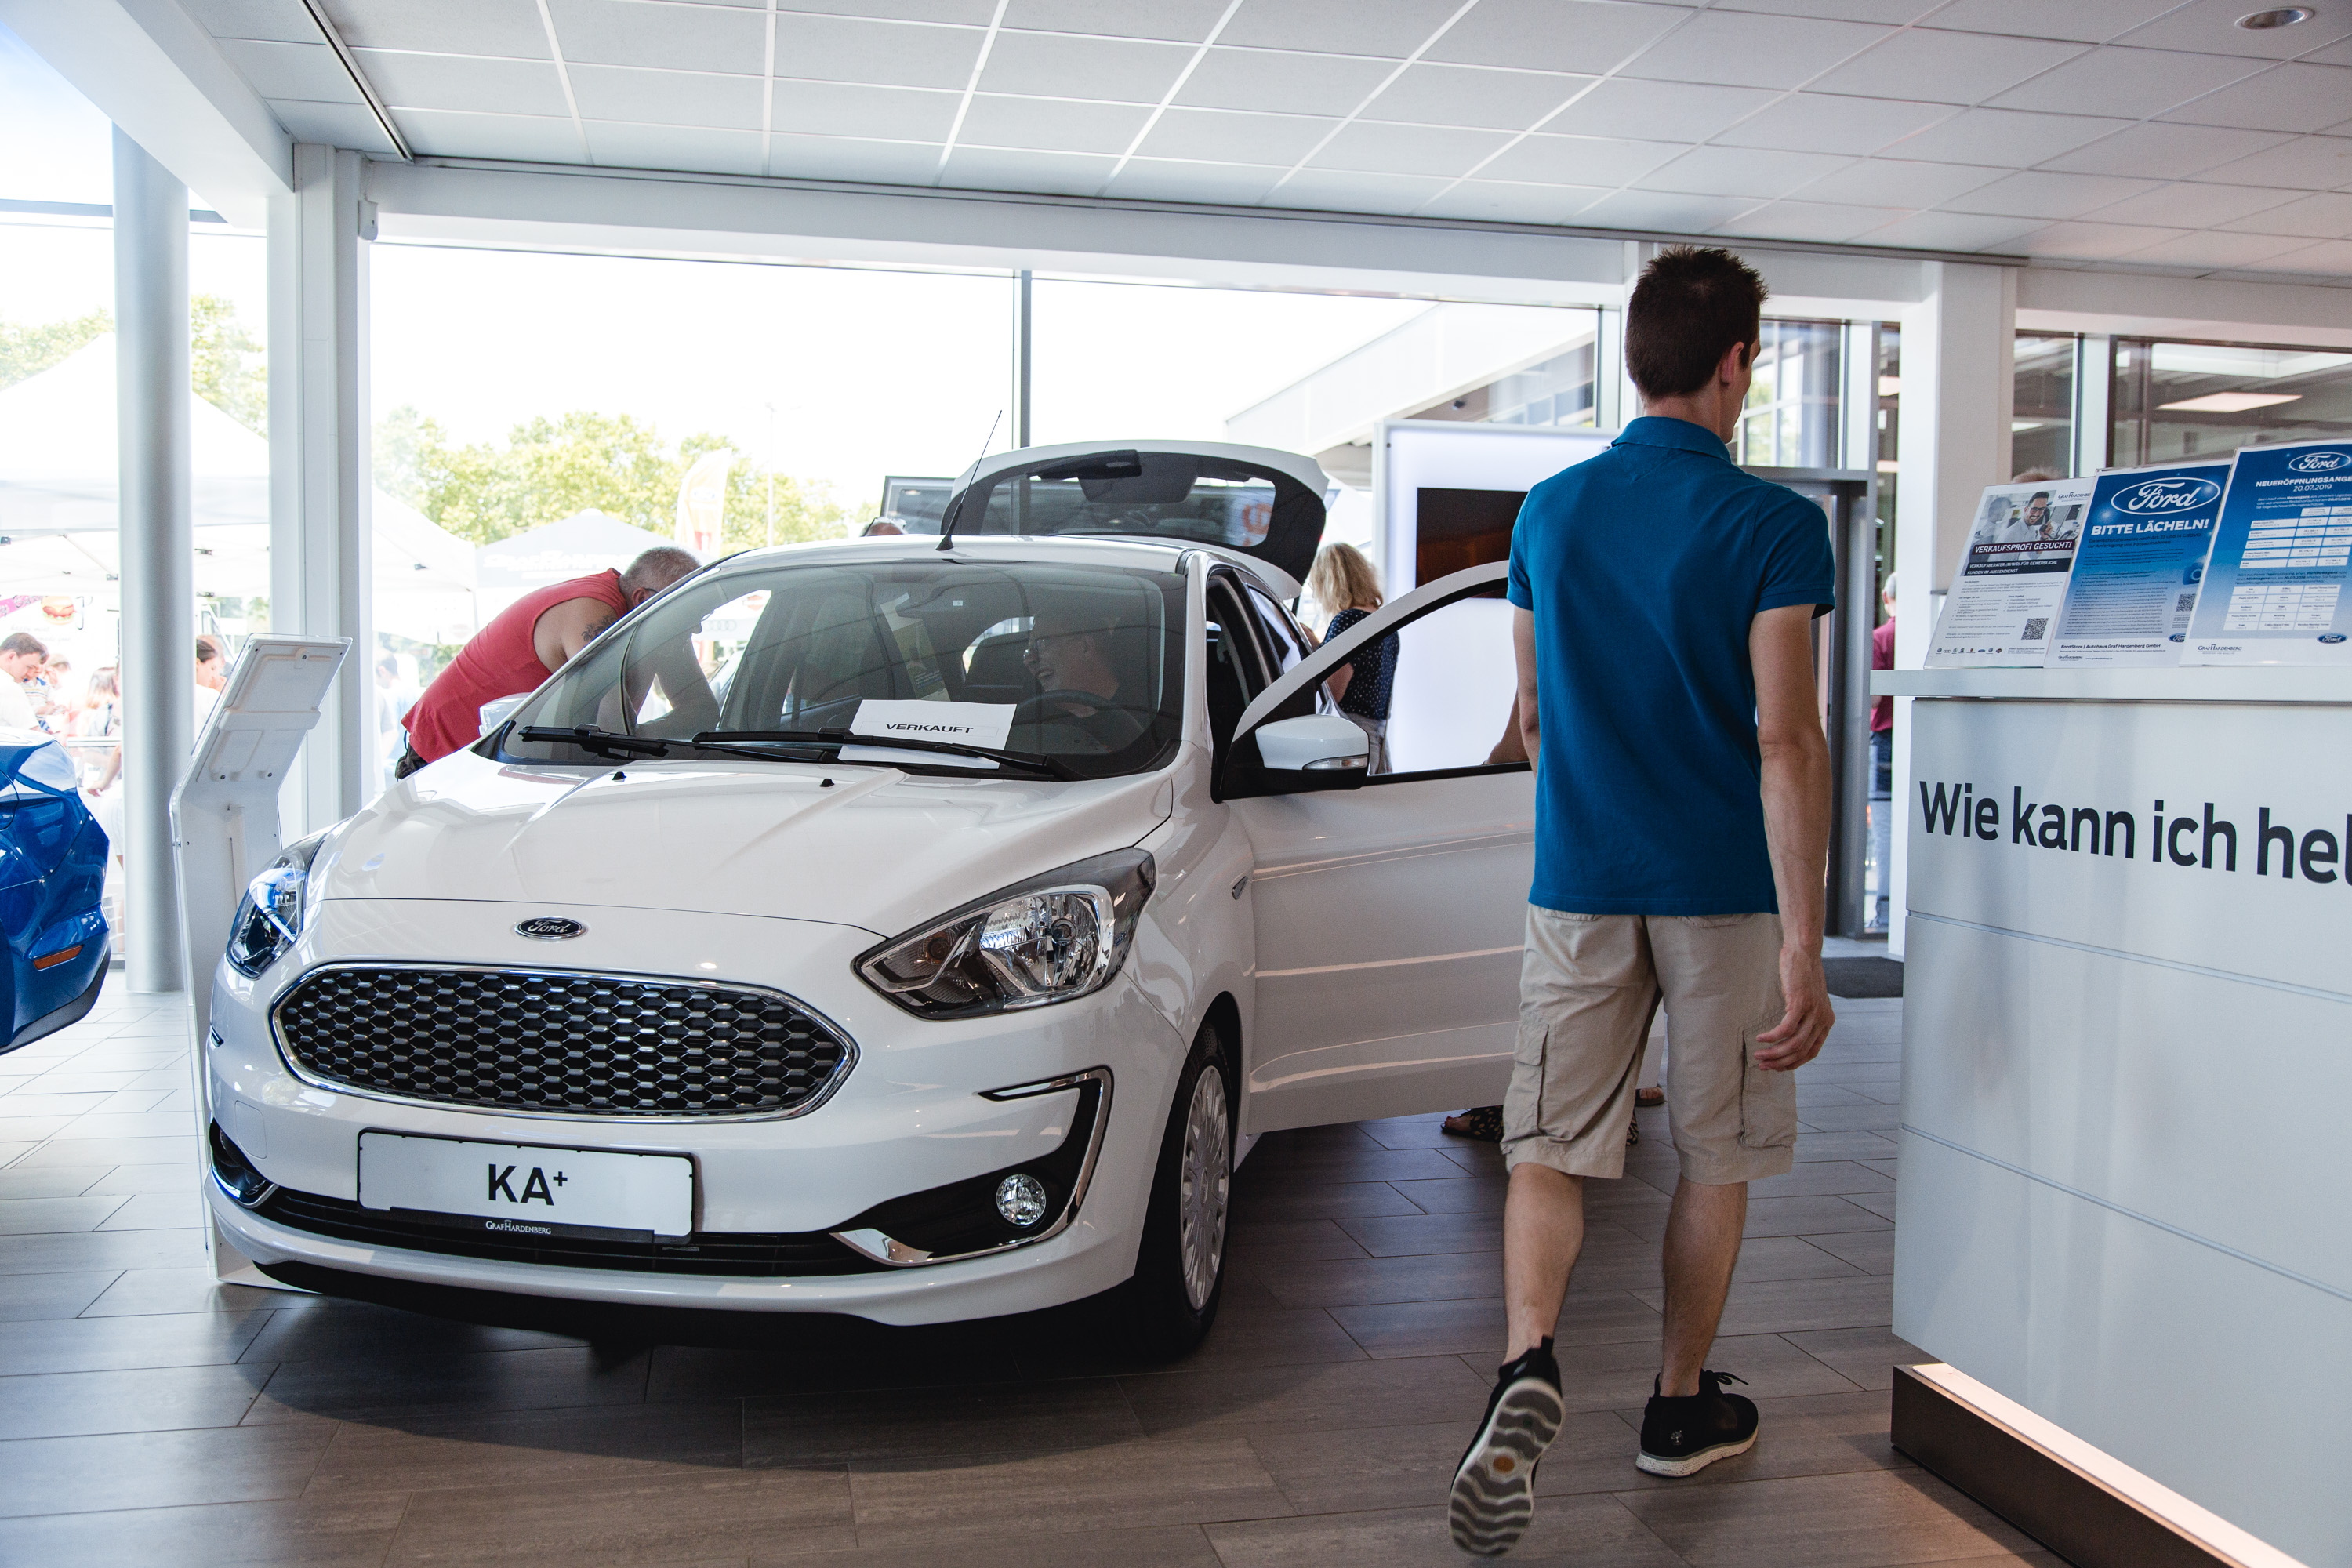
1180, 1271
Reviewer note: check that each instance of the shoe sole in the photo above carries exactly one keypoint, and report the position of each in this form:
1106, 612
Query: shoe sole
1492, 1500
1691, 1464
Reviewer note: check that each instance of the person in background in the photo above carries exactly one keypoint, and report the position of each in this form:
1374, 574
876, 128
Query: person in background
1343, 581
21, 657
525, 644
212, 675
51, 703
881, 527
1882, 761
100, 713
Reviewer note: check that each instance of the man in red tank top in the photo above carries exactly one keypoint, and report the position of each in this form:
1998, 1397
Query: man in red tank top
525, 644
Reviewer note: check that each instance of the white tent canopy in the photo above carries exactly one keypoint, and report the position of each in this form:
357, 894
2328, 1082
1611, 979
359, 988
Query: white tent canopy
58, 508
586, 542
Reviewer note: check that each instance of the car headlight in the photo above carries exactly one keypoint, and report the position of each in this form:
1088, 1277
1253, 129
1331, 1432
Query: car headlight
1053, 938
277, 902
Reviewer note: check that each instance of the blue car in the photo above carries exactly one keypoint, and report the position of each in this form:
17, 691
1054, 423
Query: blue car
52, 872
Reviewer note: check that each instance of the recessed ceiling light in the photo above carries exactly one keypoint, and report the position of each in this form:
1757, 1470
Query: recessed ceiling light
2284, 16
2233, 402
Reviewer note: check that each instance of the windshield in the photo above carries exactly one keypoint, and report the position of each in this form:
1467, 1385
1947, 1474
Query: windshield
1081, 666
1158, 494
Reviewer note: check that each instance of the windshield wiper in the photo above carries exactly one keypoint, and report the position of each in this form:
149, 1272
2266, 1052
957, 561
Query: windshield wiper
604, 742
1052, 767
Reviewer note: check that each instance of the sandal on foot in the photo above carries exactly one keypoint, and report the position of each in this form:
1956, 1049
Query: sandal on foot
1483, 1123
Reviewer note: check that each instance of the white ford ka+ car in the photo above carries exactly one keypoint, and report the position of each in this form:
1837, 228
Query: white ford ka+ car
920, 928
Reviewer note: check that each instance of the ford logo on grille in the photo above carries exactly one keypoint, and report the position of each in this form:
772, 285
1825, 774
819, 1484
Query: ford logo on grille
2160, 496
549, 927
2317, 462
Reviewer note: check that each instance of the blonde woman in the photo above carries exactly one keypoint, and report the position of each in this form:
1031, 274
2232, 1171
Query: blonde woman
1343, 581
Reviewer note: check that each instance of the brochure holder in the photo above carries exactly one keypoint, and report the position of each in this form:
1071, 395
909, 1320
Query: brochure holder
226, 827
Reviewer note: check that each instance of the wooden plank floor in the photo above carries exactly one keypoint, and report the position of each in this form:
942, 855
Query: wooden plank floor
147, 1416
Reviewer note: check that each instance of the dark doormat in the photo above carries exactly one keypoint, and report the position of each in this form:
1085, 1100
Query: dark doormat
1856, 978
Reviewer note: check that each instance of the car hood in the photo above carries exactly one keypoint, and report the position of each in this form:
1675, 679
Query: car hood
873, 848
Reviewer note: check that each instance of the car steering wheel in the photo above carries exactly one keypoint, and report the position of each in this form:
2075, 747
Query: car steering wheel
1111, 724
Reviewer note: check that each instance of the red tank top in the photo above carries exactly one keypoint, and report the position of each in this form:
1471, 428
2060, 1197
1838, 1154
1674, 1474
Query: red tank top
499, 661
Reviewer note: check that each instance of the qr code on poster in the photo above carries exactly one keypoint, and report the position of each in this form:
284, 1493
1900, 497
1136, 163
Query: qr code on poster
2036, 630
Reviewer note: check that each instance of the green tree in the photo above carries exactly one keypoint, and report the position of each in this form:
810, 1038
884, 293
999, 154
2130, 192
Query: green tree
227, 363
28, 350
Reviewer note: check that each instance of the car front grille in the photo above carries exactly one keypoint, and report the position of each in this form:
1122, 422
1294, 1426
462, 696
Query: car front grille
558, 1042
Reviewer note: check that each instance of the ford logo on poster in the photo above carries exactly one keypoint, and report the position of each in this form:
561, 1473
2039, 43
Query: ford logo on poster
2317, 463
2164, 497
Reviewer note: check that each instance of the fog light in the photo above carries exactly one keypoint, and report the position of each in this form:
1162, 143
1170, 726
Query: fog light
236, 1173
1021, 1199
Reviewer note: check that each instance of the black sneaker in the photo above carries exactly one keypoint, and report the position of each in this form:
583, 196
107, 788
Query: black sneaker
1493, 1485
1683, 1437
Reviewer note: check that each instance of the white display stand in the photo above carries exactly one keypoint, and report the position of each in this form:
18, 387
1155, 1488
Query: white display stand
2124, 1078
1413, 455
225, 828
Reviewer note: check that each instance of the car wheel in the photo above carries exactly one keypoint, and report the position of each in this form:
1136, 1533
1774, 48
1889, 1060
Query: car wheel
1180, 1270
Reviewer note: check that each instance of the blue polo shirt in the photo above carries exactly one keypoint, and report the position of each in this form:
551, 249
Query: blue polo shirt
1644, 568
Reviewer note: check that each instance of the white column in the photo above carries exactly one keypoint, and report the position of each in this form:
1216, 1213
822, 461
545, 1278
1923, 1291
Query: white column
320, 533
159, 593
1959, 388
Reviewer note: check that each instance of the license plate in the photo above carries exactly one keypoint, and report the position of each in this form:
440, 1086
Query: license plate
528, 1190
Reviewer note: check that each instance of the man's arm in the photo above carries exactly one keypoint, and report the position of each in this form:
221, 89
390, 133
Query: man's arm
562, 630
1796, 757
1523, 651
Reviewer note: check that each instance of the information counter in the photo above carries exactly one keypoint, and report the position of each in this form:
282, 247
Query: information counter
2125, 1194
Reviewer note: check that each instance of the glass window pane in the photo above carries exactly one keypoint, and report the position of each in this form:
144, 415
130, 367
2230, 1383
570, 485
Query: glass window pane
2174, 400
1791, 420
1556, 390
2042, 425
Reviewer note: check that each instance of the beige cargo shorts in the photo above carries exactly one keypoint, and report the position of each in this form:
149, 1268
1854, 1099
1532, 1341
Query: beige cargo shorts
1588, 989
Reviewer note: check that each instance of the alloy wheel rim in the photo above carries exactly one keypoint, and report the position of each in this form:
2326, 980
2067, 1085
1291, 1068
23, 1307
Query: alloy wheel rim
1205, 1175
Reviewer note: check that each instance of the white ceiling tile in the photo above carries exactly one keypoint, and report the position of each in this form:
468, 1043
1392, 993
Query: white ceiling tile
1745, 50
1665, 111
1818, 122
1473, 95
2036, 193
2002, 136
2134, 83
1936, 66
2214, 248
1288, 83
1051, 125
1165, 180
1057, 65
1579, 161
2283, 97
888, 54
2305, 163
527, 139
1554, 35
464, 83
1661, 211
1502, 201
1896, 182
1952, 231
1233, 136
308, 71
1056, 174
2159, 150
671, 37
1824, 221
971, 13
703, 150
1739, 172
331, 125
2082, 21
1394, 28
2212, 27
668, 98
2092, 241
880, 163
2330, 256
2324, 217
285, 21
834, 109
1341, 190
1897, 12
2333, 55
2185, 205
1185, 21
1372, 149
506, 27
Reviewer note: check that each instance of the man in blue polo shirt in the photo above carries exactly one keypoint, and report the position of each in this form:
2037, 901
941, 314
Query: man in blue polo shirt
1665, 603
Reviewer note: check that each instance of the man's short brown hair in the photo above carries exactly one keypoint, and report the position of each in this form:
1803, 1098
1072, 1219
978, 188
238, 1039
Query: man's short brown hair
1692, 306
24, 642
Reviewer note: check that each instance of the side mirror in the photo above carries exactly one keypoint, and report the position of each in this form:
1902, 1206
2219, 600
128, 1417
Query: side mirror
1317, 751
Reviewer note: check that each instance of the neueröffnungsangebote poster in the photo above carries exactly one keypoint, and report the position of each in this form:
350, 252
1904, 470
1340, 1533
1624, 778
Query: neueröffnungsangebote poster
2274, 591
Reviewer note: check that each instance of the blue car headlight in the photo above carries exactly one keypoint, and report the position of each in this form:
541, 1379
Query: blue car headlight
276, 905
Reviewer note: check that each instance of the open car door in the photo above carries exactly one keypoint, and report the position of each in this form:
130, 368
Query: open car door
1391, 908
